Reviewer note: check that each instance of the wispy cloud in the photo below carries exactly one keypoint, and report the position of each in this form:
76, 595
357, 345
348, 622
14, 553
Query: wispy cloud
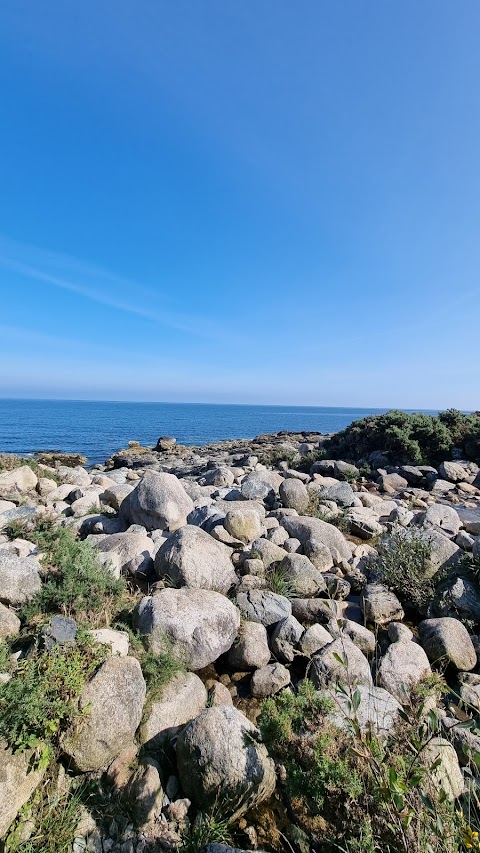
95, 284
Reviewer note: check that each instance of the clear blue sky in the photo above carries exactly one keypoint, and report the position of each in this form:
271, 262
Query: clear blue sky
241, 200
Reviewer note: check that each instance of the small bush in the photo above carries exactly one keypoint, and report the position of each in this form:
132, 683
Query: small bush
318, 510
306, 461
273, 457
40, 700
401, 564
5, 663
75, 584
206, 829
159, 669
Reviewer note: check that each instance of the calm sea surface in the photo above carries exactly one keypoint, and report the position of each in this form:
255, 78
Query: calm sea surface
99, 429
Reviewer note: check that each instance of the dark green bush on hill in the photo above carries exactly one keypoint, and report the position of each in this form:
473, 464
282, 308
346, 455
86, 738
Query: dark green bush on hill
408, 438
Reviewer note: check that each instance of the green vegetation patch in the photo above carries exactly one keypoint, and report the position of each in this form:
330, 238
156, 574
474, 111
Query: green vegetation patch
408, 438
402, 564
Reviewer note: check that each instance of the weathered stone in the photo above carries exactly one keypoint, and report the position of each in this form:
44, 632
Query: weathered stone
459, 471
117, 640
469, 690
114, 698
221, 476
313, 639
457, 597
243, 524
192, 558
17, 783
341, 493
178, 702
323, 543
285, 638
448, 776
126, 553
401, 668
250, 650
18, 482
447, 639
341, 662
243, 773
442, 518
269, 680
115, 495
145, 793
306, 580
261, 485
293, 494
158, 502
267, 552
380, 605
19, 578
199, 624
399, 633
358, 634
263, 606
377, 712
9, 623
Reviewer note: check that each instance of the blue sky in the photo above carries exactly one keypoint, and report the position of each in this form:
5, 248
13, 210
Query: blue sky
264, 202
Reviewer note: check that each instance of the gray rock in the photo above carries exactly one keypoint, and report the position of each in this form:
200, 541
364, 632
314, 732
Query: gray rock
243, 773
20, 481
9, 623
380, 605
469, 690
322, 542
446, 638
19, 578
377, 712
198, 624
259, 605
401, 668
267, 552
250, 650
269, 680
392, 481
363, 523
261, 485
114, 698
144, 792
341, 493
442, 518
126, 553
399, 633
448, 776
118, 641
340, 663
61, 631
285, 638
243, 524
358, 634
306, 580
309, 610
17, 783
178, 702
460, 471
221, 476
191, 558
294, 495
158, 502
313, 639
457, 597
115, 495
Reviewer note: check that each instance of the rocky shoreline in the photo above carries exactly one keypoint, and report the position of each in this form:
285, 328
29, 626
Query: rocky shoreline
258, 566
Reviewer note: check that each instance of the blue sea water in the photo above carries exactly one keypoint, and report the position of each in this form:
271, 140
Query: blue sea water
98, 429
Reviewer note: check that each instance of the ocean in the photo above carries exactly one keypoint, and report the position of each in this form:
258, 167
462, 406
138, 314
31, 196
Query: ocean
98, 429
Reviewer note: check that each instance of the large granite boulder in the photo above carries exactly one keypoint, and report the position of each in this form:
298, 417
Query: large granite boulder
19, 578
322, 542
341, 662
114, 699
158, 502
20, 481
198, 625
178, 702
261, 605
125, 553
192, 558
238, 777
403, 666
250, 649
294, 495
446, 639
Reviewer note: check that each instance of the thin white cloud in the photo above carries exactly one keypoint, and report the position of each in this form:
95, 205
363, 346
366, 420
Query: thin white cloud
44, 266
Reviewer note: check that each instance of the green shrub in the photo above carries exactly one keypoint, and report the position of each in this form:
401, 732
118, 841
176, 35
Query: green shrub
158, 669
306, 461
206, 829
279, 581
75, 583
5, 663
40, 700
402, 562
317, 510
273, 457
408, 438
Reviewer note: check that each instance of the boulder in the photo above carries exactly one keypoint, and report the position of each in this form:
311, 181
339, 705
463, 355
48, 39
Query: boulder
342, 493
260, 605
117, 640
198, 625
126, 553
285, 638
191, 558
460, 471
144, 792
341, 662
469, 690
9, 623
380, 605
377, 712
448, 776
267, 552
243, 524
19, 578
243, 775
403, 666
457, 597
115, 495
17, 783
322, 542
358, 634
178, 702
20, 481
250, 650
158, 502
447, 639
306, 580
294, 495
269, 679
114, 698
221, 476
443, 518
261, 485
